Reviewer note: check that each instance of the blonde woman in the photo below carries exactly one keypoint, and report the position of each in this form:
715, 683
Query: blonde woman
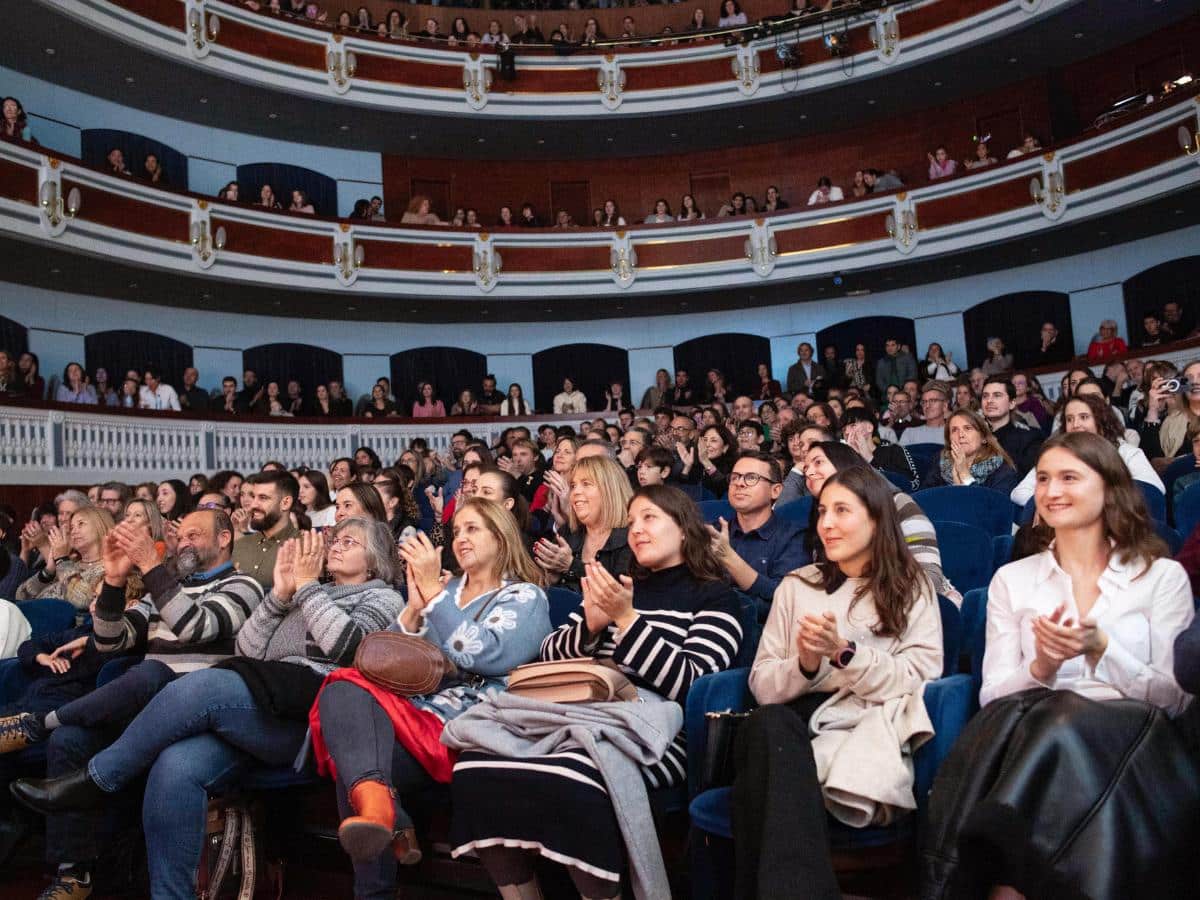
74, 566
972, 455
598, 494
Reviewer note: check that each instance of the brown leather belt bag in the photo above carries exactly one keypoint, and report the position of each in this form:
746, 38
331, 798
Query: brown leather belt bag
403, 664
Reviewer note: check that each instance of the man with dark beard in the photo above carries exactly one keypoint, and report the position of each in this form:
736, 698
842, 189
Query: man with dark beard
272, 496
188, 620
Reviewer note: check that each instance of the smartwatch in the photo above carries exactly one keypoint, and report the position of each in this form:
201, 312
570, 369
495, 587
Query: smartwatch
842, 658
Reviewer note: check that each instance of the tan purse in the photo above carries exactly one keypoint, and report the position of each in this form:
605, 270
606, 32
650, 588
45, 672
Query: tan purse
583, 680
403, 664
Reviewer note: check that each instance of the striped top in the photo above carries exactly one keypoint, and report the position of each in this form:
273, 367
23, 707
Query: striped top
686, 628
921, 538
187, 625
321, 626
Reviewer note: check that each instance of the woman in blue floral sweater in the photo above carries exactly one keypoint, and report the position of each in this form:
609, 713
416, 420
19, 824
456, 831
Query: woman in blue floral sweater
378, 746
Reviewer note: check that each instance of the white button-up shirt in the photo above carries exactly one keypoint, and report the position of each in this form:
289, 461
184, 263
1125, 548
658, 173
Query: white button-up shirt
1140, 613
162, 398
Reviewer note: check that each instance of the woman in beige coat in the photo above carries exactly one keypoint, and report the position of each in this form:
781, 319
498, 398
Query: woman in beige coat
840, 672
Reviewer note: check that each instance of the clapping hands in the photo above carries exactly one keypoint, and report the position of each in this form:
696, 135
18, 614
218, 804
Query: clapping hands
606, 600
817, 639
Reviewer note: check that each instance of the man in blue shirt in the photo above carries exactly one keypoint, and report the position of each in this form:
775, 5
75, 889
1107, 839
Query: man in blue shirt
757, 549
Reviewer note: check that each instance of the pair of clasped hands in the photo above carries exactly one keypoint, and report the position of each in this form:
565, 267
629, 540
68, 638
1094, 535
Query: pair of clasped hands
1057, 638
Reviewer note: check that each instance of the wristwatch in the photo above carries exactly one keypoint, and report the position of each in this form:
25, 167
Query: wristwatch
842, 658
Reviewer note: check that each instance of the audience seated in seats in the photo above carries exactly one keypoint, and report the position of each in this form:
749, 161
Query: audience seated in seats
266, 198
674, 621
155, 393
514, 404
597, 493
940, 164
1030, 401
1091, 619
313, 495
661, 214
895, 367
735, 207
1050, 350
826, 192
1029, 144
997, 361
654, 466
428, 405
74, 387
796, 439
983, 157
1106, 345
826, 458
710, 459
379, 406
1163, 433
570, 399
1152, 333
682, 394
1091, 414
300, 203
1177, 322
972, 455
611, 217
379, 746
935, 407
419, 213
272, 496
757, 548
688, 211
72, 551
1020, 442
217, 722
861, 433
14, 124
938, 365
847, 649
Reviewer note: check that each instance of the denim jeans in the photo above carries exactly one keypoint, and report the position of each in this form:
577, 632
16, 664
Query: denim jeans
83, 836
118, 701
362, 742
201, 733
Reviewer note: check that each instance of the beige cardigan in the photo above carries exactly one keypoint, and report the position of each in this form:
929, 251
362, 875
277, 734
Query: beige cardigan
864, 735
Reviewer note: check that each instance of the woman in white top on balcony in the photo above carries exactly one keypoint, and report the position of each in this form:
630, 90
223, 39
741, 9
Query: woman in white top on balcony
612, 215
570, 400
731, 15
1093, 415
1098, 611
514, 404
495, 34
826, 192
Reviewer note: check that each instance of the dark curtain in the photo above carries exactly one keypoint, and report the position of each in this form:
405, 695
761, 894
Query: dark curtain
118, 351
591, 367
282, 362
14, 337
871, 331
736, 355
451, 369
1016, 319
97, 142
283, 179
1147, 291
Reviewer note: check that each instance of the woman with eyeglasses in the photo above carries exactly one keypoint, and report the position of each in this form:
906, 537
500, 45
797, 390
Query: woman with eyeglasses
378, 746
214, 724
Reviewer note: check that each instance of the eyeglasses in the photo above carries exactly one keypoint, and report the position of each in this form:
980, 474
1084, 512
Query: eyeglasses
749, 479
344, 543
211, 504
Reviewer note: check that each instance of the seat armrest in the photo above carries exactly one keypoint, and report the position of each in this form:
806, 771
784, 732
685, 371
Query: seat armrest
949, 702
721, 691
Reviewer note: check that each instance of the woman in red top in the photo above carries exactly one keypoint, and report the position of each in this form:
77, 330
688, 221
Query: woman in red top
1108, 346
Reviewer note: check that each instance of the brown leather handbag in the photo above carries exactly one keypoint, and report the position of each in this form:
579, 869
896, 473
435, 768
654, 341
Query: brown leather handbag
403, 664
582, 680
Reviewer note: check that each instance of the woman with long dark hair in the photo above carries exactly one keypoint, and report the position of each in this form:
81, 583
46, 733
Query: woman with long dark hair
314, 495
14, 124
847, 649
514, 404
173, 499
670, 622
972, 455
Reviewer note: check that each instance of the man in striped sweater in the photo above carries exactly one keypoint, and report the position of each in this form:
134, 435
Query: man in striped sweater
188, 620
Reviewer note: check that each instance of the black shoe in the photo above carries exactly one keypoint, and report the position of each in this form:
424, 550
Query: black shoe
63, 794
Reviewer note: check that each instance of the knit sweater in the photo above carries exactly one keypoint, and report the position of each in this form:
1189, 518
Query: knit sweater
321, 626
187, 625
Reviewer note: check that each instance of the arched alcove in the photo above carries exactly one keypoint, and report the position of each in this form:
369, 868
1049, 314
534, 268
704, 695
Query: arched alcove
592, 367
1017, 319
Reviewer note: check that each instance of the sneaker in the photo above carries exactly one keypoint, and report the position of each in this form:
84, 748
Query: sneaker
67, 887
18, 732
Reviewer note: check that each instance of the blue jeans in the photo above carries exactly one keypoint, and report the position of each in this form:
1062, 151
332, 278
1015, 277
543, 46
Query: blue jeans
199, 734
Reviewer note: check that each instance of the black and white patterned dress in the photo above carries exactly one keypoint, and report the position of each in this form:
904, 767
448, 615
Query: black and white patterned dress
558, 804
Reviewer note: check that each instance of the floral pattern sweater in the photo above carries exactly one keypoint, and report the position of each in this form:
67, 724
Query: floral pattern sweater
486, 639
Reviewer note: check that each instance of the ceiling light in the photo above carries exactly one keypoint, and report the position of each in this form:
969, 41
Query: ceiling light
479, 140
674, 135
351, 308
133, 284
803, 116
56, 271
1012, 59
610, 140
272, 115
541, 140
1078, 35
412, 137
129, 79
870, 103
203, 99
937, 84
344, 127
49, 51
740, 127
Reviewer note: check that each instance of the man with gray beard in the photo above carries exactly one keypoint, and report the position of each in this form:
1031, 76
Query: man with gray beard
188, 620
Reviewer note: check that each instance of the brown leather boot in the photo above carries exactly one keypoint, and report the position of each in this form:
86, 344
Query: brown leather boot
369, 833
408, 851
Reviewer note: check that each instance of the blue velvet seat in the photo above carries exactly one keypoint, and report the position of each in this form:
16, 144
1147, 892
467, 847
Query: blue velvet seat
971, 503
711, 510
48, 614
968, 556
796, 511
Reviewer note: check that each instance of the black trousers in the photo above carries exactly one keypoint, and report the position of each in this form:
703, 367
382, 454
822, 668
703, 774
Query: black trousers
780, 832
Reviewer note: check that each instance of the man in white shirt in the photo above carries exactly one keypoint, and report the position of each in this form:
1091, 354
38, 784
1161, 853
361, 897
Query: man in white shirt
156, 395
935, 406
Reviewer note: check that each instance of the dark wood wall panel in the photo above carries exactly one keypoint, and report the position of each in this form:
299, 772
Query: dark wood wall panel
832, 234
560, 259
128, 214
18, 182
241, 237
415, 257
399, 71
164, 12
277, 47
974, 204
686, 253
1131, 156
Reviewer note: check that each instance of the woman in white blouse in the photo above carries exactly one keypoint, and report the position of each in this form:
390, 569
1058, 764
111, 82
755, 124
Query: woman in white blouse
1091, 414
1098, 611
570, 400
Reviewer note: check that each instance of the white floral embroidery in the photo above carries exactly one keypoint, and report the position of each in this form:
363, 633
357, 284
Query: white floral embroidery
464, 644
522, 593
501, 620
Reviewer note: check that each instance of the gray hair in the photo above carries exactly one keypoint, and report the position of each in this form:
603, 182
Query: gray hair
79, 498
380, 548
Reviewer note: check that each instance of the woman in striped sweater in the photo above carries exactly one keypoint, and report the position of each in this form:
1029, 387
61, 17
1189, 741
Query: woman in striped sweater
672, 622
828, 457
204, 730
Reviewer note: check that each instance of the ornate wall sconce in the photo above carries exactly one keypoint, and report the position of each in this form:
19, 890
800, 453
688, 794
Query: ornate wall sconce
202, 28
885, 36
485, 262
340, 64
761, 248
53, 208
746, 69
205, 242
611, 81
477, 81
901, 223
348, 256
622, 259
1048, 190
1189, 135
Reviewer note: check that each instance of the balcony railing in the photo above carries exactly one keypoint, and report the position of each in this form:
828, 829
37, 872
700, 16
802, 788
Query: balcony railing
54, 199
611, 78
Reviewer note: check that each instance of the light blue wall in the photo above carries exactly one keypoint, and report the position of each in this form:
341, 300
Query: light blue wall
59, 321
58, 114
